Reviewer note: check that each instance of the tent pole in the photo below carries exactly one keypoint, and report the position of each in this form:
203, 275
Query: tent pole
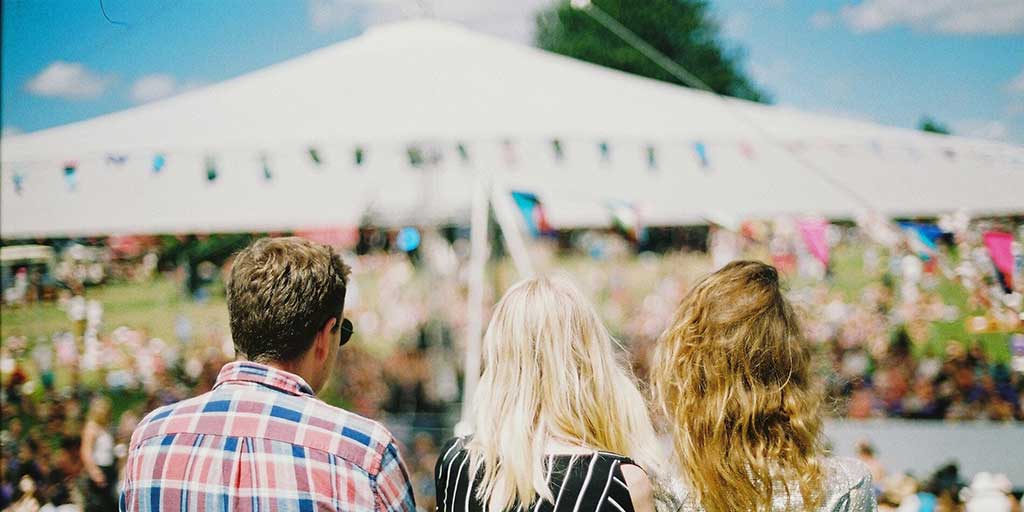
477, 268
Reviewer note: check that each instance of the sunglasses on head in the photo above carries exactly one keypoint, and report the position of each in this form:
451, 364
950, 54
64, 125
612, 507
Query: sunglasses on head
346, 331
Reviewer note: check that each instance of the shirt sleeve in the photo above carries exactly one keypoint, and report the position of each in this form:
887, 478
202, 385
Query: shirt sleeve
393, 488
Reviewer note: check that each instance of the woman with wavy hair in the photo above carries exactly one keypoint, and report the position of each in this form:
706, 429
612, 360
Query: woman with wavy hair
558, 422
732, 376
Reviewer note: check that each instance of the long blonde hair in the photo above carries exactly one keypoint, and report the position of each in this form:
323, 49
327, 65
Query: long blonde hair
549, 371
732, 376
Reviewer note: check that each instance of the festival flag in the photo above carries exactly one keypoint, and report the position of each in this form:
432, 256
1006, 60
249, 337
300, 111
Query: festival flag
211, 169
508, 149
533, 213
813, 232
314, 155
702, 154
19, 182
626, 220
359, 155
999, 244
158, 163
652, 158
265, 164
605, 150
460, 148
923, 238
747, 150
415, 156
71, 175
556, 145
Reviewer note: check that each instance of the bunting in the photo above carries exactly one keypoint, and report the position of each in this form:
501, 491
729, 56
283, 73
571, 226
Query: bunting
533, 213
814, 233
1000, 249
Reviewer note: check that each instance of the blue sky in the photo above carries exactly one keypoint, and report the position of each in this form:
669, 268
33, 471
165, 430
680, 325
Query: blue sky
889, 61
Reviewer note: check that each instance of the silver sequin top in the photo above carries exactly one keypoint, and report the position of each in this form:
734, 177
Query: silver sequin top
847, 489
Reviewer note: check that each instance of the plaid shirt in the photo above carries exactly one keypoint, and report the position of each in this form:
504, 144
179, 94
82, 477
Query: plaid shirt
260, 440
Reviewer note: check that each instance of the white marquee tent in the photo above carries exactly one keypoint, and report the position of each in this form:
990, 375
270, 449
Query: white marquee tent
437, 85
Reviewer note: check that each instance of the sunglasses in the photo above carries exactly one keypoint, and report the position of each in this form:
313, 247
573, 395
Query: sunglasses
346, 331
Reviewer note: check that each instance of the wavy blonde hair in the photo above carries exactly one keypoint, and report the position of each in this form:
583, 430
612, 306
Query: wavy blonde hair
549, 371
732, 376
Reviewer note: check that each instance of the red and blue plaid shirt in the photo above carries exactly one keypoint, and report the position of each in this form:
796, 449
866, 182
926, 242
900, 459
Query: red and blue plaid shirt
260, 440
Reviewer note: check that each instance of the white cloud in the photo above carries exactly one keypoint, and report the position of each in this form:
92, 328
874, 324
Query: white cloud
939, 16
70, 81
822, 20
985, 129
153, 87
1016, 85
509, 19
737, 25
159, 85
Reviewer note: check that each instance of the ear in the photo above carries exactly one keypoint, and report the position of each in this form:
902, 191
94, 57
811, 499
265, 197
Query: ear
324, 339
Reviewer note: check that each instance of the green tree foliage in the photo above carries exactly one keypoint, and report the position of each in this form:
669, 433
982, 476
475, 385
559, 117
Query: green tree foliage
683, 30
928, 124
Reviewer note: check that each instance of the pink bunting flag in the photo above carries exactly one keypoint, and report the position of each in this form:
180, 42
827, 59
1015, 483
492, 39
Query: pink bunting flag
998, 244
813, 232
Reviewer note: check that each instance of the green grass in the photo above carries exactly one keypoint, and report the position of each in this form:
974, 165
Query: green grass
151, 306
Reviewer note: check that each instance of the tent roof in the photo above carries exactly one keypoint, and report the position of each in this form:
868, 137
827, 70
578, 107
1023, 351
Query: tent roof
436, 84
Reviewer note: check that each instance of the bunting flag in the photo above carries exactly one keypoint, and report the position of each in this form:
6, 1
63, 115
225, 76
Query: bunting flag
702, 154
626, 219
117, 159
359, 155
556, 145
314, 155
923, 238
265, 164
652, 158
605, 150
19, 182
813, 232
747, 150
508, 151
71, 175
1000, 249
211, 169
460, 148
158, 163
533, 213
415, 156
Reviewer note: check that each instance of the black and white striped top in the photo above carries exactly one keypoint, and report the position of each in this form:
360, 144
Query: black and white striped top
585, 482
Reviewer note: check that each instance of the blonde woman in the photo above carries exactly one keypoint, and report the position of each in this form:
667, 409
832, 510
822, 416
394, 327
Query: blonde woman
98, 457
732, 376
558, 423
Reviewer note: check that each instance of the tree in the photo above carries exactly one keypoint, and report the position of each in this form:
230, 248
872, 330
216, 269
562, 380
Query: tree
683, 30
928, 124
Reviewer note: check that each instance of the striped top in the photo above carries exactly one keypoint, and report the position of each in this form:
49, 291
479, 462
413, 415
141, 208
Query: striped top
261, 441
585, 482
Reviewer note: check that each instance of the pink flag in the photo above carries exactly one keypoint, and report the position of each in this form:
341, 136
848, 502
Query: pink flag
998, 243
813, 233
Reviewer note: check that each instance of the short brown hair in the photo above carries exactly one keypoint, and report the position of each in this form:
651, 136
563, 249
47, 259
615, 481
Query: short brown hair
281, 291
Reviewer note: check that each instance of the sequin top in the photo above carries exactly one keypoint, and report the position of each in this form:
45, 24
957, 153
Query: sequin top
847, 489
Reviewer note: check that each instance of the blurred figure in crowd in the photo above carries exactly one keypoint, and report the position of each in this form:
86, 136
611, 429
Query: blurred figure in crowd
98, 458
732, 376
558, 423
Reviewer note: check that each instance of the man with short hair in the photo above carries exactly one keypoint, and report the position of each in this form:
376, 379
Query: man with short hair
261, 440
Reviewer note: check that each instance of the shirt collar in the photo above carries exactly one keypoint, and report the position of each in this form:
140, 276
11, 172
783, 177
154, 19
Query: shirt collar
248, 371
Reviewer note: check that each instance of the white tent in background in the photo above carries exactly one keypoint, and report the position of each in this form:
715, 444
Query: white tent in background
437, 85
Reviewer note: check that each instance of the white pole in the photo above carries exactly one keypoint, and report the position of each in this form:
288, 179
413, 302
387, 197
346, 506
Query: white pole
477, 267
509, 223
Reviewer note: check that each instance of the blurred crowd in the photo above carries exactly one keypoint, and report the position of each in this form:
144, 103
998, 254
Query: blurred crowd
913, 336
